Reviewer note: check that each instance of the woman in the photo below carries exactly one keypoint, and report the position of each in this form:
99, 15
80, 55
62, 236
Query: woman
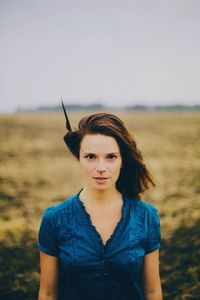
103, 242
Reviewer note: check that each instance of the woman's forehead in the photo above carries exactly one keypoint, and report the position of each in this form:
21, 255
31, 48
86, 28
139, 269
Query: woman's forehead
99, 143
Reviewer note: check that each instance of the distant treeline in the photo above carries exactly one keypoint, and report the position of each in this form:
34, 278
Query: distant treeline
95, 107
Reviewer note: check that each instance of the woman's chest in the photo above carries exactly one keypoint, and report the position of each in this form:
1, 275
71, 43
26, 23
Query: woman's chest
123, 247
105, 223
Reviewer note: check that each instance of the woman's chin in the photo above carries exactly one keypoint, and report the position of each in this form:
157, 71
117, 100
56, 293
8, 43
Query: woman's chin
101, 187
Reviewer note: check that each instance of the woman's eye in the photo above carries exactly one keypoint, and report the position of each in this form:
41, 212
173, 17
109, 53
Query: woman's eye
111, 156
90, 156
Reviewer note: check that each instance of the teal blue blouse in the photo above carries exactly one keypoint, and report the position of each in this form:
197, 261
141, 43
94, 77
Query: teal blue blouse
88, 270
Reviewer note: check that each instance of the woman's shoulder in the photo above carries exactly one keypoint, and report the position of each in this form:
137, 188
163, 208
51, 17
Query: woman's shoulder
143, 204
143, 212
53, 210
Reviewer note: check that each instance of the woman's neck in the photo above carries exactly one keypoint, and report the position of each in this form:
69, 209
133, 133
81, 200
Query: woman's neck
100, 197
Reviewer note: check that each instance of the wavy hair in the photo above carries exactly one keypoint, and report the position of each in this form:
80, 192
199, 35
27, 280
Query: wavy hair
134, 177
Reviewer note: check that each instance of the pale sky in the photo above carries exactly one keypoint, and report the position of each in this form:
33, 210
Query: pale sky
119, 52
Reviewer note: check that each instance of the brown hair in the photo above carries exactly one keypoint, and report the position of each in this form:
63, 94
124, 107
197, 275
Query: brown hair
134, 177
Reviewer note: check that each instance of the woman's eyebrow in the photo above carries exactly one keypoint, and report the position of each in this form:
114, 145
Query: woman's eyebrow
113, 153
106, 153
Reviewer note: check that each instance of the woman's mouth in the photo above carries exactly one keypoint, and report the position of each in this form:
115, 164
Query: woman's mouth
100, 179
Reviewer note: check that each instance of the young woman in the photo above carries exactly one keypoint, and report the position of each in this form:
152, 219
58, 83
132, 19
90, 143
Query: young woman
103, 242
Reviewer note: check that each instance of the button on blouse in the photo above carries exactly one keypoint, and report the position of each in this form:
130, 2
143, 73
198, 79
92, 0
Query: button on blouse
87, 268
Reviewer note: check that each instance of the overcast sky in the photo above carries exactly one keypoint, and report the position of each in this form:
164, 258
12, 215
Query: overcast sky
108, 51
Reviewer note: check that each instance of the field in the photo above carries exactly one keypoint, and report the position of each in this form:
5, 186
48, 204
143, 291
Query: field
37, 171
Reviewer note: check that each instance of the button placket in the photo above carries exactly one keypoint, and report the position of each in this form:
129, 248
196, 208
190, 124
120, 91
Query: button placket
105, 273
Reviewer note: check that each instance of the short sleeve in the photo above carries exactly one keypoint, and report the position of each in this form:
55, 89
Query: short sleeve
153, 238
47, 233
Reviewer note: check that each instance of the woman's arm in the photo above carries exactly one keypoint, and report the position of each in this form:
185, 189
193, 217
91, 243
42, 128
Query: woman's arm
151, 276
48, 277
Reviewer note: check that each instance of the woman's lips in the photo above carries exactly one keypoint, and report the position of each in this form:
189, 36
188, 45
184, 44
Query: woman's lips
100, 179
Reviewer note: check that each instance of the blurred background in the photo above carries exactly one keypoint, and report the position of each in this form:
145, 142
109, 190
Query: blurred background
138, 59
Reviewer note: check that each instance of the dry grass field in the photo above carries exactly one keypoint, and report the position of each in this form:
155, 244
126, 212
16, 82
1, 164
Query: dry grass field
37, 171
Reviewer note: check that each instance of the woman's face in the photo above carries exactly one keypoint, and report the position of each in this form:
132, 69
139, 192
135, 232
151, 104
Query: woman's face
100, 161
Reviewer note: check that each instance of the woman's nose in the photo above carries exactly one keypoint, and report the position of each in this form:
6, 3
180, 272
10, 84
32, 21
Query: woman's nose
100, 167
